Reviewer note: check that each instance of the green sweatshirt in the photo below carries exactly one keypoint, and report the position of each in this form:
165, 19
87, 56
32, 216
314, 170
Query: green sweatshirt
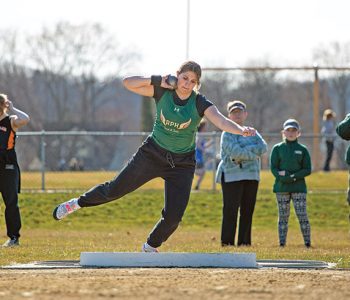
343, 130
294, 158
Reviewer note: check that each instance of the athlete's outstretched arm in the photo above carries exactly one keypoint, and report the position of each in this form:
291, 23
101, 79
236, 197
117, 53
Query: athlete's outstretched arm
225, 124
18, 117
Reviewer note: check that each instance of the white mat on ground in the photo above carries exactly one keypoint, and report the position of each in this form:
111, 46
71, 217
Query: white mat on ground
262, 264
168, 259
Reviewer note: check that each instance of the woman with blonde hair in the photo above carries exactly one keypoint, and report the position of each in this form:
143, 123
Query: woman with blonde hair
328, 131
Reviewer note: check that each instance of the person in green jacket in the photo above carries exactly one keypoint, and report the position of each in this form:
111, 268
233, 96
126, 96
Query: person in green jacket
343, 130
290, 163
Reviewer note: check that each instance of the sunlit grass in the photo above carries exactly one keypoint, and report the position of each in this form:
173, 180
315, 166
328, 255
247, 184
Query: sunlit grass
41, 244
125, 224
318, 181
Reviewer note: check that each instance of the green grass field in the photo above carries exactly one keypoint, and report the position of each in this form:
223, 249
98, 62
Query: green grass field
124, 225
320, 181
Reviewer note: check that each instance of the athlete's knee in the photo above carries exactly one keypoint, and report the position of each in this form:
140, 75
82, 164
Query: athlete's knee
172, 220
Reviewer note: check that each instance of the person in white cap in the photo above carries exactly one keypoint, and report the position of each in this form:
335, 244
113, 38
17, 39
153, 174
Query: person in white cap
239, 175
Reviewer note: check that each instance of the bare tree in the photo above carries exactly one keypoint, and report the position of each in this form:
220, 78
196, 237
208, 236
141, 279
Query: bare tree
261, 90
336, 55
78, 63
16, 80
218, 87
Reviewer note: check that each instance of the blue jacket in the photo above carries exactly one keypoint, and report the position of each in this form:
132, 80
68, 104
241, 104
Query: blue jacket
240, 157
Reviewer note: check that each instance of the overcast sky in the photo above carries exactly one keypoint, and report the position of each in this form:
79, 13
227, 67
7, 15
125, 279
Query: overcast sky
223, 33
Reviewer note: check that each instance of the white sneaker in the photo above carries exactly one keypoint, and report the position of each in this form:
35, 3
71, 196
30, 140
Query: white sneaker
12, 242
65, 208
148, 248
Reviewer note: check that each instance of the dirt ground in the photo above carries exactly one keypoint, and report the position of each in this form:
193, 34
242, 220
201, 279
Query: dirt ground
174, 283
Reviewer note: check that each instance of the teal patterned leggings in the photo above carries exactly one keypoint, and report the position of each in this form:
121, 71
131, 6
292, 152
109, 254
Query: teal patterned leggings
348, 198
299, 201
349, 189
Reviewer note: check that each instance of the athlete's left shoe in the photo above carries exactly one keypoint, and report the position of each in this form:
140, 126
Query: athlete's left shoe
12, 242
65, 208
149, 249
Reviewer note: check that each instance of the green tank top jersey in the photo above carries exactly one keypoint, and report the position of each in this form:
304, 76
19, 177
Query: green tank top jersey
175, 126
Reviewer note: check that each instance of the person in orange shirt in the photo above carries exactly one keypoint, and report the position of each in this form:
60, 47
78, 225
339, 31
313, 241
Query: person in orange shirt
11, 119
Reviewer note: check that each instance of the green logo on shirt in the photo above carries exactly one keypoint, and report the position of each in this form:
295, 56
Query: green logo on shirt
172, 124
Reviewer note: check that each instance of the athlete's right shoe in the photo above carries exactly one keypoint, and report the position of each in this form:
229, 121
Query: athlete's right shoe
149, 249
65, 208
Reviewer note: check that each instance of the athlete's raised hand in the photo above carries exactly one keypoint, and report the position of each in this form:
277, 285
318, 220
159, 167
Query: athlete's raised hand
169, 82
248, 131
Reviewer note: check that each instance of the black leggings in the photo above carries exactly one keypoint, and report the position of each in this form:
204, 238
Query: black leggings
151, 161
9, 186
238, 195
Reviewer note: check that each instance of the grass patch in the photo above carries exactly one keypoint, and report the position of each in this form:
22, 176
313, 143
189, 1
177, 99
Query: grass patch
317, 181
124, 225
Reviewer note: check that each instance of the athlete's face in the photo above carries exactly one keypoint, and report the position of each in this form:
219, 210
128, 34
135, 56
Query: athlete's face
186, 82
238, 115
291, 134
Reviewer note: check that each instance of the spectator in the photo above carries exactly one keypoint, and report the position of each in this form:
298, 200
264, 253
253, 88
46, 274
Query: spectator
74, 164
201, 145
343, 130
239, 175
11, 119
328, 132
61, 164
290, 163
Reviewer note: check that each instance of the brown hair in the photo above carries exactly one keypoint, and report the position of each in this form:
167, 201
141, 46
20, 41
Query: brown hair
3, 98
193, 67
